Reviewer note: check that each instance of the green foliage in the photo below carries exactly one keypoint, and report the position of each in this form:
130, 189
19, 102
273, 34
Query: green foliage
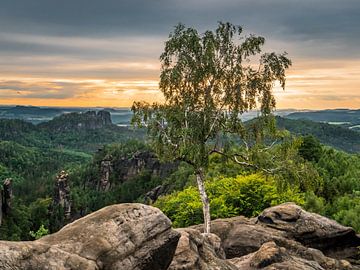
85, 196
42, 231
208, 81
340, 172
346, 210
17, 224
339, 196
310, 148
315, 204
333, 135
60, 134
233, 196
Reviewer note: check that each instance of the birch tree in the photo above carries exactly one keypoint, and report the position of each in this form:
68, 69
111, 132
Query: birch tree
208, 81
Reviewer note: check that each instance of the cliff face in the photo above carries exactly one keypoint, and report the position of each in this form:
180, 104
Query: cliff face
139, 237
128, 168
117, 170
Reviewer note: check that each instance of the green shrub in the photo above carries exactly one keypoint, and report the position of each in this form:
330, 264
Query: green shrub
42, 231
346, 210
241, 195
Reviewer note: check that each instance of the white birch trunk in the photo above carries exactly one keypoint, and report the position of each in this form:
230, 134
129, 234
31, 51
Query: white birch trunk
204, 199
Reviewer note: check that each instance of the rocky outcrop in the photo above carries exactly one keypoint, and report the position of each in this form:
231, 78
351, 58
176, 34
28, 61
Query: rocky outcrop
126, 236
5, 198
105, 170
311, 230
271, 256
289, 236
127, 168
89, 120
139, 237
62, 194
196, 251
151, 196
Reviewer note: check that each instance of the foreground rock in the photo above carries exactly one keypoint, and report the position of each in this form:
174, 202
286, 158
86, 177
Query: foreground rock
139, 237
197, 251
287, 237
126, 236
271, 256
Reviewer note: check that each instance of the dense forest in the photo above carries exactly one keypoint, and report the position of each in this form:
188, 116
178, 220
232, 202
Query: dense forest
105, 164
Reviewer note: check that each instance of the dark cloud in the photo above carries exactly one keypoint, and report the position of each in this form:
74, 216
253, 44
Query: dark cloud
300, 18
96, 39
326, 28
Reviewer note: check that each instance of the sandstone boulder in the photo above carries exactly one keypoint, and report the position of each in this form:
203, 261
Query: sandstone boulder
125, 236
310, 229
271, 256
196, 251
307, 228
299, 236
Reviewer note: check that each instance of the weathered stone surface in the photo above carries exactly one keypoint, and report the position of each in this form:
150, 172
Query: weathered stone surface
241, 236
303, 235
126, 236
270, 256
196, 251
308, 228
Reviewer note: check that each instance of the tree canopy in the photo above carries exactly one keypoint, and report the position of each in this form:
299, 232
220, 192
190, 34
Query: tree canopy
208, 81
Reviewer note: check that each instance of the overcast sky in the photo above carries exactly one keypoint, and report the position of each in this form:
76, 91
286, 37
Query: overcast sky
105, 52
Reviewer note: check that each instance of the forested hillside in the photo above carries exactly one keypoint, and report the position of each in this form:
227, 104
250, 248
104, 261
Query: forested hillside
340, 117
84, 132
339, 137
103, 164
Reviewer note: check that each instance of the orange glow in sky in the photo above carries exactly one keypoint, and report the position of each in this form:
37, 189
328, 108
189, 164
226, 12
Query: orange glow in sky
107, 55
328, 84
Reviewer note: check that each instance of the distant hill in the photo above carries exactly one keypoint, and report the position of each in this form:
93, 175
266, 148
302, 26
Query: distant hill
342, 117
79, 121
38, 115
336, 136
77, 131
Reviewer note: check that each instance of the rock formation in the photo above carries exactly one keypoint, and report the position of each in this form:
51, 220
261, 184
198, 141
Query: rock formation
151, 196
5, 198
105, 170
79, 121
196, 251
126, 236
284, 236
105, 117
62, 193
128, 168
139, 237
